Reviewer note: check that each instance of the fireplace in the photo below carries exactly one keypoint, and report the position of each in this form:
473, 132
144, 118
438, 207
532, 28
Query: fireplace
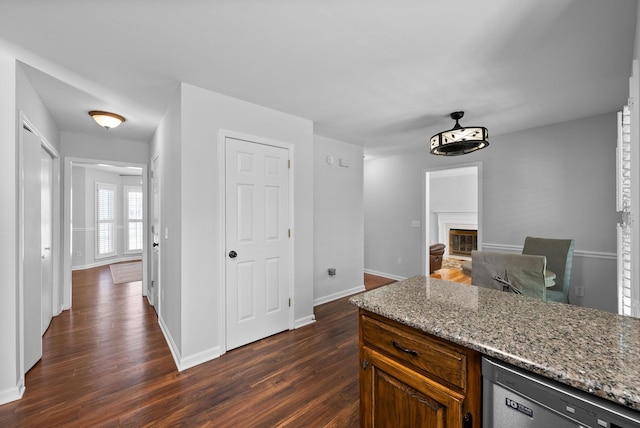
462, 242
463, 224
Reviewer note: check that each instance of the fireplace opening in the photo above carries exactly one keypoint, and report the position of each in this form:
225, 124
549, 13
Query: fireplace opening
462, 242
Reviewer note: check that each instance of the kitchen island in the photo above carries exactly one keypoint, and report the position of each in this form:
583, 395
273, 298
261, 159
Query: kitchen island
591, 350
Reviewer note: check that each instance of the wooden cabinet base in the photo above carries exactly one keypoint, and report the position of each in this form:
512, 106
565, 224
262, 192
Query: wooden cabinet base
412, 379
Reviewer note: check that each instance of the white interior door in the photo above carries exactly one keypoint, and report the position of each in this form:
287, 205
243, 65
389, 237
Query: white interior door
32, 249
257, 246
155, 233
46, 236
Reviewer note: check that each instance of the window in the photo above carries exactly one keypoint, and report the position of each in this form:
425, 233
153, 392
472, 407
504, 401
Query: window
105, 220
133, 219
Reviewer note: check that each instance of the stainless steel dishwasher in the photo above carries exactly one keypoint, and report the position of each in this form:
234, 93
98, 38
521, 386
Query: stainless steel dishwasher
515, 398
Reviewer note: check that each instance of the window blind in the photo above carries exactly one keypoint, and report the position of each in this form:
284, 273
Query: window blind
134, 213
623, 202
105, 219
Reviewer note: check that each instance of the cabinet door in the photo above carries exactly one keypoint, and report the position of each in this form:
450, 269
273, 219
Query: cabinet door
393, 395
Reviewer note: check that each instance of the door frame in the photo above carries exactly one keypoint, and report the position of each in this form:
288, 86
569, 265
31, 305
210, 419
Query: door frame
426, 206
66, 219
49, 172
222, 152
55, 236
155, 300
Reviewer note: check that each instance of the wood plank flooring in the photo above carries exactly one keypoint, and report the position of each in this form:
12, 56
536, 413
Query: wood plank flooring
106, 364
454, 275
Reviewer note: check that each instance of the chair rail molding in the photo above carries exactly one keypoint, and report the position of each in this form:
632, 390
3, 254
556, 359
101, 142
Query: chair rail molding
579, 253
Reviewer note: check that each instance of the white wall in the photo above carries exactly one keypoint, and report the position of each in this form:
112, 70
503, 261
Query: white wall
392, 199
553, 181
338, 220
16, 95
188, 143
167, 144
108, 148
454, 190
9, 370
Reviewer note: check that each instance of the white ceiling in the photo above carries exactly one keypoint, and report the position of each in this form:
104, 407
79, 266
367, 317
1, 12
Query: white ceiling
377, 73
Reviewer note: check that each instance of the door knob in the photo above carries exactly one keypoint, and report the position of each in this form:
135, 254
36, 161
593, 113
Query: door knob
233, 254
155, 244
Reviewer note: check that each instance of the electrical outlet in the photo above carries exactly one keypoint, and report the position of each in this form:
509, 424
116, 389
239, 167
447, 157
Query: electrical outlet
399, 261
580, 291
78, 254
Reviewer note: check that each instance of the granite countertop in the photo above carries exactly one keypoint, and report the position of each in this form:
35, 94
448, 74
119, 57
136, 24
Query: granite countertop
594, 351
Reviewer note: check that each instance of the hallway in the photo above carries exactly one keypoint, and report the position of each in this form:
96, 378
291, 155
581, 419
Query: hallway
106, 363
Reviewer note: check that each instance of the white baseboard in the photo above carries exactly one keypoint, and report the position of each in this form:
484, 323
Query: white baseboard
385, 275
339, 295
12, 394
184, 363
301, 322
175, 353
99, 263
199, 358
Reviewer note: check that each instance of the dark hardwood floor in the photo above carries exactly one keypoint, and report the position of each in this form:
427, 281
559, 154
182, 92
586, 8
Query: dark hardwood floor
106, 364
374, 281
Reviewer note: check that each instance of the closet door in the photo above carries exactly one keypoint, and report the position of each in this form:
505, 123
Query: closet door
32, 249
46, 237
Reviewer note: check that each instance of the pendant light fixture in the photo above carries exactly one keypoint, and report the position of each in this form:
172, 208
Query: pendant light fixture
459, 140
105, 119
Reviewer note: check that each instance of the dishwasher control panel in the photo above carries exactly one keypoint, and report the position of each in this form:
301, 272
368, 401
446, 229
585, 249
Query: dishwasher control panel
515, 398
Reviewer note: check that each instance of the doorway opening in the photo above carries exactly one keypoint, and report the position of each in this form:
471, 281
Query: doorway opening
453, 211
95, 237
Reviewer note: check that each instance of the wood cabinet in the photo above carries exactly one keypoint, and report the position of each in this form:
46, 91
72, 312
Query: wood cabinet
411, 379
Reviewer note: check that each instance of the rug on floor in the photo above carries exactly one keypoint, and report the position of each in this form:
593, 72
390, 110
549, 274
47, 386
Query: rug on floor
126, 272
451, 263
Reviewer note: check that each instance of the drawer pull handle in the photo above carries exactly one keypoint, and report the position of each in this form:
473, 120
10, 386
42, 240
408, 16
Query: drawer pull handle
405, 350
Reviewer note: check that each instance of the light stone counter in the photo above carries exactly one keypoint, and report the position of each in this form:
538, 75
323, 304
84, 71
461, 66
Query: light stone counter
595, 351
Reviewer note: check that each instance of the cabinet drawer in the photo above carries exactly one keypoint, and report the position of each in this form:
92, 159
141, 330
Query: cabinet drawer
442, 361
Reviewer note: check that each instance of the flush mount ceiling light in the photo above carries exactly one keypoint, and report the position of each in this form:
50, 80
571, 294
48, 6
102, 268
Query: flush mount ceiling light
106, 119
459, 140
